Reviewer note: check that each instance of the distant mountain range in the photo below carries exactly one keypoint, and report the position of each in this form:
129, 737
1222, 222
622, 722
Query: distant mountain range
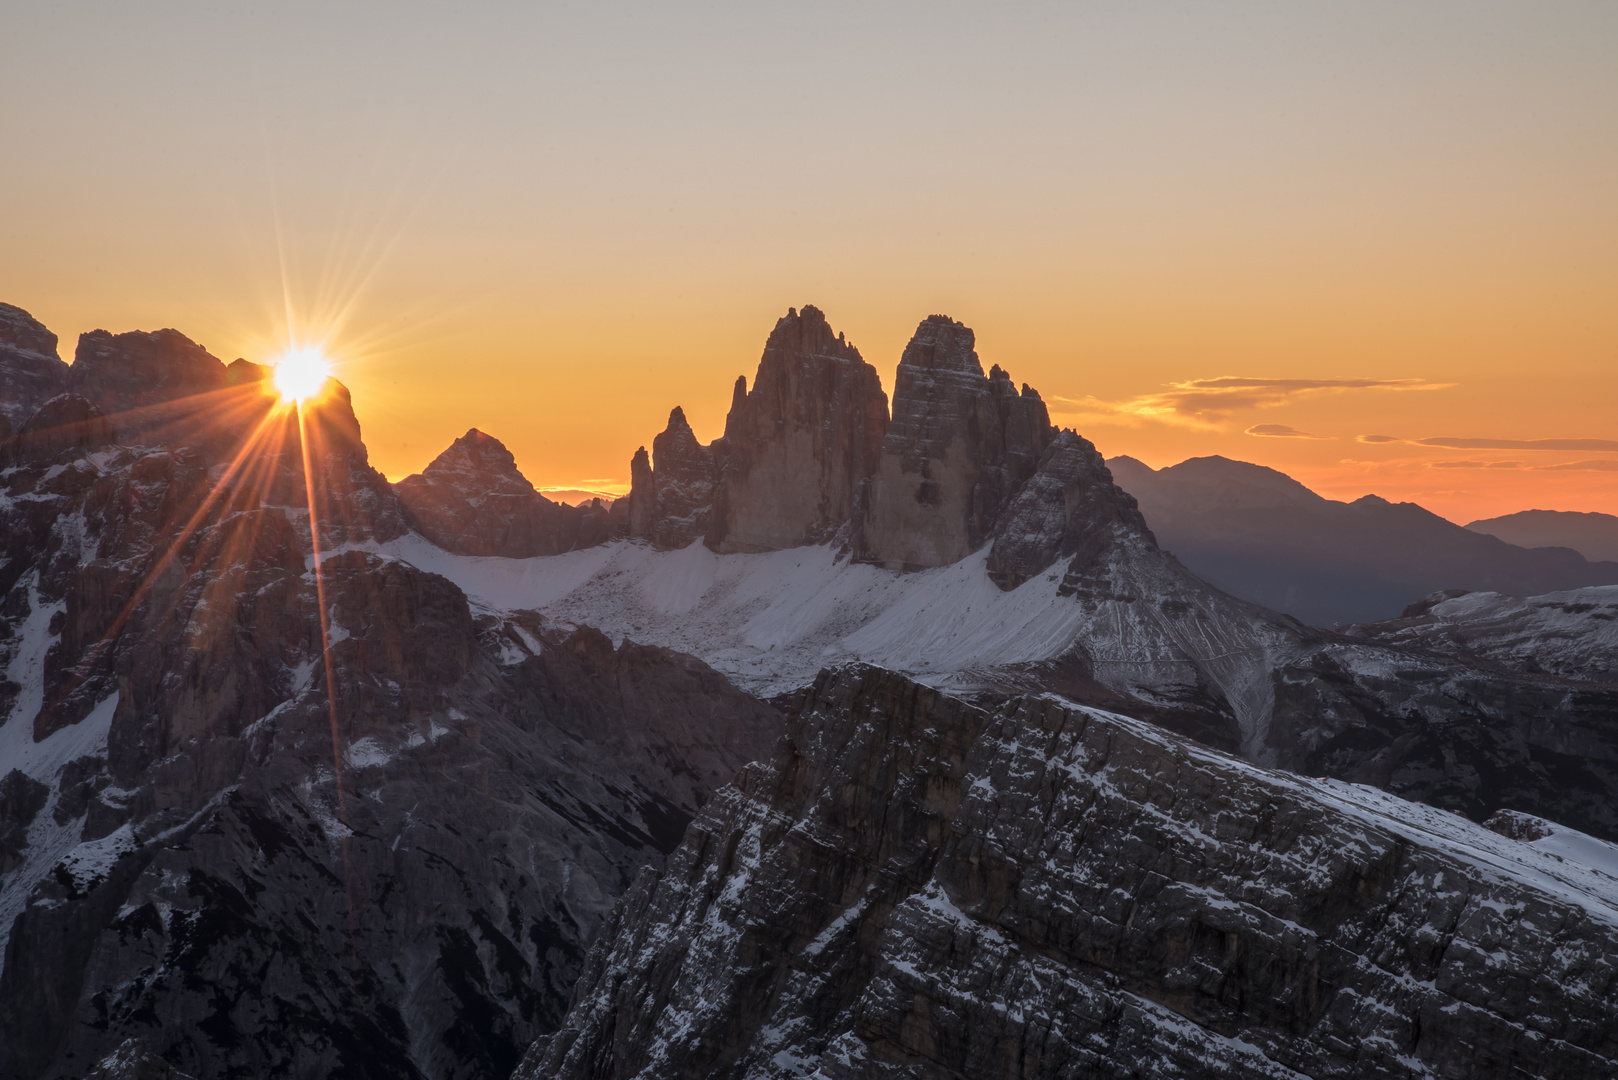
1595, 536
1261, 535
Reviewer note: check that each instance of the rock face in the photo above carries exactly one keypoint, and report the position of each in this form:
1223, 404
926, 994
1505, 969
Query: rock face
795, 452
155, 386
31, 372
672, 493
914, 887
1263, 536
797, 446
472, 500
255, 856
959, 447
1070, 510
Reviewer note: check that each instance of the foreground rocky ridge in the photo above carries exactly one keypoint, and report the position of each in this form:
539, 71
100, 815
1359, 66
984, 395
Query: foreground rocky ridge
913, 886
251, 861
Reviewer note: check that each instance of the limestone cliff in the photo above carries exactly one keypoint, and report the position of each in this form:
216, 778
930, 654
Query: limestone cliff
959, 447
672, 493
797, 446
257, 845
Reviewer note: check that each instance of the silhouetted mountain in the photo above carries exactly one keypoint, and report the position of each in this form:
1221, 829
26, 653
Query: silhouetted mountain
1263, 536
1595, 536
31, 372
472, 500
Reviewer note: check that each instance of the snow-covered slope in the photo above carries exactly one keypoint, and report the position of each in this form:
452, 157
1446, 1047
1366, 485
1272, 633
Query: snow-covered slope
1573, 633
771, 621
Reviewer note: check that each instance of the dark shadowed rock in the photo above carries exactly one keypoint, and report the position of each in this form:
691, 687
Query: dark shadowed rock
154, 386
914, 887
671, 496
31, 372
472, 500
1069, 508
797, 446
65, 424
959, 447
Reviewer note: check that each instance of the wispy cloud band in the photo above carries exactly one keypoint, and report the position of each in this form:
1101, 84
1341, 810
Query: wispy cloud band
1207, 402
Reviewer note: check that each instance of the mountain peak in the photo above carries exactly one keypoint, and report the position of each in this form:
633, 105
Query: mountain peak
31, 373
482, 464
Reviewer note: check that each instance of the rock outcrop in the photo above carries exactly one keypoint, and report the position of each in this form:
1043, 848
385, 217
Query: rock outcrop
672, 501
300, 820
959, 447
914, 887
157, 386
31, 371
797, 446
1068, 509
472, 500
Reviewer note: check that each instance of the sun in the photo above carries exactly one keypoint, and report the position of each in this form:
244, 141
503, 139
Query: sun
300, 374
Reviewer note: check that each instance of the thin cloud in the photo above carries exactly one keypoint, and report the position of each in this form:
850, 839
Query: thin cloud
1598, 465
1474, 464
1521, 444
1447, 442
1282, 431
1205, 403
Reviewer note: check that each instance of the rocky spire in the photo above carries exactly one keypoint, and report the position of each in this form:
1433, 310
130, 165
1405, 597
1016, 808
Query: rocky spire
959, 447
797, 446
671, 496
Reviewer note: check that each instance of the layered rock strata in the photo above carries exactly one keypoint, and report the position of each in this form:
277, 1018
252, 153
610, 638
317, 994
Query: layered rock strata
959, 448
472, 500
672, 492
914, 887
1572, 634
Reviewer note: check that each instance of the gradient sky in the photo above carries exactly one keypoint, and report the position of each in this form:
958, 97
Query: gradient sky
1181, 222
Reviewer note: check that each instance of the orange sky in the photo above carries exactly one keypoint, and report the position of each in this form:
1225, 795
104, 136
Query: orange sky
554, 225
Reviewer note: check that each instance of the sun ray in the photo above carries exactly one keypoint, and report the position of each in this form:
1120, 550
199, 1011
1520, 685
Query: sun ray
325, 655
